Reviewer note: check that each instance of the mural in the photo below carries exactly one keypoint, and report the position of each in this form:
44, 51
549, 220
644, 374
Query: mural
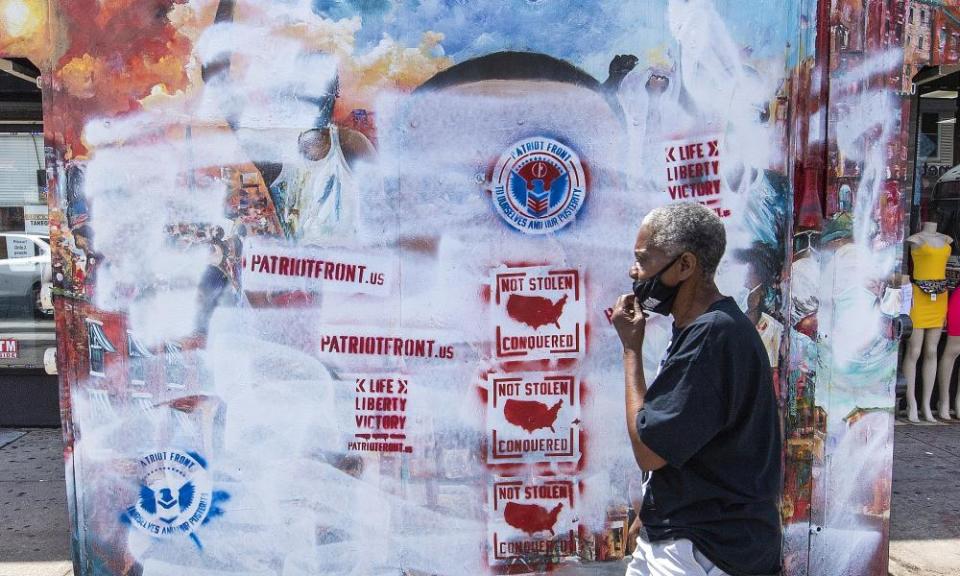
334, 278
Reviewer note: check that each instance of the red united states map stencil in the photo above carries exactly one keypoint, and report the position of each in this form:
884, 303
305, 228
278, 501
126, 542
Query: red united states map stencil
532, 517
533, 417
539, 313
535, 311
530, 414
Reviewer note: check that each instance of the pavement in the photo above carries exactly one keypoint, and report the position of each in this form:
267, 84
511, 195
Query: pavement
34, 532
925, 512
924, 531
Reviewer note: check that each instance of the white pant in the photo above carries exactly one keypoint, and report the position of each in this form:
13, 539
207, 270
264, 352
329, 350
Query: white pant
670, 558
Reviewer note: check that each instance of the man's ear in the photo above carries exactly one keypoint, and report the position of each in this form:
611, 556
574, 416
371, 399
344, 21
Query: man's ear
688, 263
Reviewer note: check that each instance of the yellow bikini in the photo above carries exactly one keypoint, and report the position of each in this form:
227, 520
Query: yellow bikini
929, 263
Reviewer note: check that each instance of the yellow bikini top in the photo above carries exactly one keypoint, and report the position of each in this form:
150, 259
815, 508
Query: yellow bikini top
930, 263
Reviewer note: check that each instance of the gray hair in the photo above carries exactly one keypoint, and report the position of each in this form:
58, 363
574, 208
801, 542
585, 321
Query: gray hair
688, 227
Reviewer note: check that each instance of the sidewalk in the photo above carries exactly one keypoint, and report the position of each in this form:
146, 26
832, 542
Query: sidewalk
34, 533
925, 517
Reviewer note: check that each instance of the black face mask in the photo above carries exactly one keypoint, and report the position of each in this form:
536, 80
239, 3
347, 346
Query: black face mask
653, 295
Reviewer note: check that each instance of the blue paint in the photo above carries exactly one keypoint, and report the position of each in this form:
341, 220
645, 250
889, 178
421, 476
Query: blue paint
219, 497
200, 460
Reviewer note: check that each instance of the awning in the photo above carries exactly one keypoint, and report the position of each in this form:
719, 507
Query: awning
96, 335
173, 353
136, 347
101, 406
144, 402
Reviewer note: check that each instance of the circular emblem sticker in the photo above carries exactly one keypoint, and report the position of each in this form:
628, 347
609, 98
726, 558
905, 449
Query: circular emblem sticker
175, 494
539, 185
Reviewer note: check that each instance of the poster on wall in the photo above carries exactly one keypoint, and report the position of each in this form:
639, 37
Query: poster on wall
333, 276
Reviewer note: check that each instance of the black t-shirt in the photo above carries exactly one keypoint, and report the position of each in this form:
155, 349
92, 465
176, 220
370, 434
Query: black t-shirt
712, 414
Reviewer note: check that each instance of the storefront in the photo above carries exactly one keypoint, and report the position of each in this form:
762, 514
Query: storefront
928, 366
27, 330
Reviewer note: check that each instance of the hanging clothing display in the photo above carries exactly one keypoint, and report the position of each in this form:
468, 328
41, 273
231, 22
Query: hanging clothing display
929, 286
953, 314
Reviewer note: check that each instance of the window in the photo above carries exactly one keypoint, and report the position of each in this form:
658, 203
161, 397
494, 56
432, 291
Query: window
911, 15
99, 346
137, 355
929, 145
23, 160
173, 365
923, 16
16, 246
920, 42
843, 37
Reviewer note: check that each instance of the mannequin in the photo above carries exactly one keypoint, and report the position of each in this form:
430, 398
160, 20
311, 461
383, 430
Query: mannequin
949, 357
929, 250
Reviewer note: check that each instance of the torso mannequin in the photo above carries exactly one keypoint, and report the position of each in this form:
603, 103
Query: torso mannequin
929, 250
928, 235
949, 357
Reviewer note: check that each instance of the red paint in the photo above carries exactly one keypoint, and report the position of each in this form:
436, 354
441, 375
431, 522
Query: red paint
144, 50
482, 393
485, 294
539, 171
524, 264
530, 414
535, 311
531, 518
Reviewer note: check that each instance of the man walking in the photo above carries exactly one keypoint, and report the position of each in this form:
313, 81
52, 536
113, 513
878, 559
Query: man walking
706, 431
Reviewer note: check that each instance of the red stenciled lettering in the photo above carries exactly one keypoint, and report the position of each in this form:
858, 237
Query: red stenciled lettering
383, 345
509, 284
348, 272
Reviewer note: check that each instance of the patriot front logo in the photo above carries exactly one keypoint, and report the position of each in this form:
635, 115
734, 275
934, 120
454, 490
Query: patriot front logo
175, 494
533, 519
539, 313
533, 417
539, 185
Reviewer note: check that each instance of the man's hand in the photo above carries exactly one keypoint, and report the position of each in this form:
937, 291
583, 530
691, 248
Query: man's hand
630, 322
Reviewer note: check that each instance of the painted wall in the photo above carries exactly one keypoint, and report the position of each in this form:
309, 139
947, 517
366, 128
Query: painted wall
334, 277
